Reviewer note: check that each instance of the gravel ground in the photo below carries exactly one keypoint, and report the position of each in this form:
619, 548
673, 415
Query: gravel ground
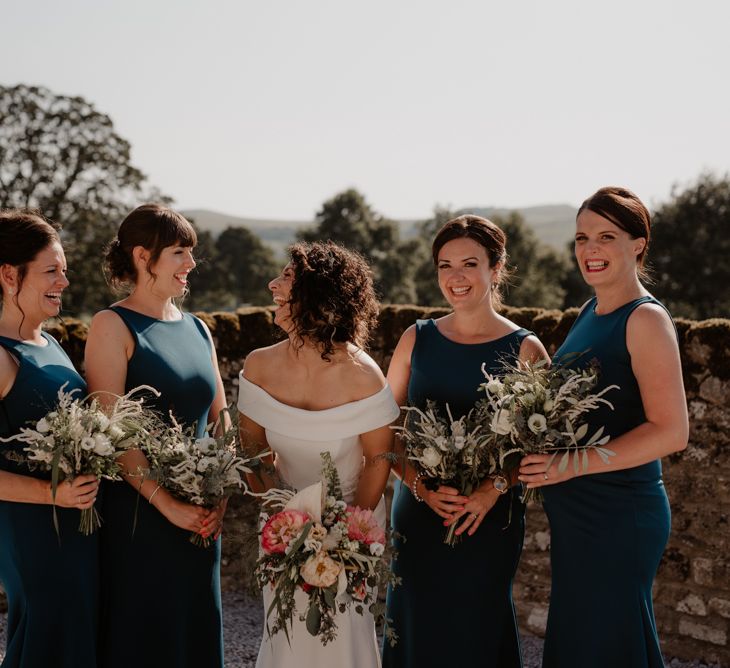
242, 624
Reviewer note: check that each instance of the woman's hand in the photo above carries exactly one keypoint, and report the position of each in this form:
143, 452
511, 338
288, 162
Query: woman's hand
445, 501
181, 514
213, 522
77, 493
542, 470
477, 506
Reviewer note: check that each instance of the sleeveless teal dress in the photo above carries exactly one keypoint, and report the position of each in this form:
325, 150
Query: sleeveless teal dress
454, 606
51, 583
608, 530
161, 602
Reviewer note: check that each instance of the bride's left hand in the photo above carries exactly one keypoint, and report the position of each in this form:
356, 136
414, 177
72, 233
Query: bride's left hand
480, 502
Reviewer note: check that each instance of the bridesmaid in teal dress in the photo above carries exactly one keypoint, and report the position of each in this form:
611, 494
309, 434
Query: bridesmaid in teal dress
161, 602
609, 526
51, 584
454, 605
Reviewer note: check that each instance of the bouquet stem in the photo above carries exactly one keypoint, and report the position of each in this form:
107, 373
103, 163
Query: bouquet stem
451, 537
197, 539
90, 521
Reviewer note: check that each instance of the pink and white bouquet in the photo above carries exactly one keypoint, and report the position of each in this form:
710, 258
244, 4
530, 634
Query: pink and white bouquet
331, 551
80, 437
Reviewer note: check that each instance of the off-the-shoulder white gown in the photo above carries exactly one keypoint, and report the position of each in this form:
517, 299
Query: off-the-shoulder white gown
297, 437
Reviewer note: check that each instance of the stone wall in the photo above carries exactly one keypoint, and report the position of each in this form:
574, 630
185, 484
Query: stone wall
692, 591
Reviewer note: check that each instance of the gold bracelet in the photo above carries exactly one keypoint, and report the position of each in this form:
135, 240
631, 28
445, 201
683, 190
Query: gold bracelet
157, 489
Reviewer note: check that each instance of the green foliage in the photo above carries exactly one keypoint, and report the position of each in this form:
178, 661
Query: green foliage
60, 155
690, 247
537, 269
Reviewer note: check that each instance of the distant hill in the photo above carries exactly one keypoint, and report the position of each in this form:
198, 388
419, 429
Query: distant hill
553, 223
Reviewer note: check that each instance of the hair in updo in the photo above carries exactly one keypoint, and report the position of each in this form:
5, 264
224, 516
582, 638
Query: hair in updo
332, 299
23, 234
152, 226
486, 234
625, 210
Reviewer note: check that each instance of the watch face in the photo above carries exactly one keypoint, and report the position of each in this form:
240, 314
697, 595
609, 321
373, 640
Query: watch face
501, 484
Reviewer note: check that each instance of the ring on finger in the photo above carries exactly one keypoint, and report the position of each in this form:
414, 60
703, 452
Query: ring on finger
473, 516
545, 475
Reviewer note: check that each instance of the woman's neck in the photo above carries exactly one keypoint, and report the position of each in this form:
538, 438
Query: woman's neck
148, 303
14, 325
477, 323
611, 297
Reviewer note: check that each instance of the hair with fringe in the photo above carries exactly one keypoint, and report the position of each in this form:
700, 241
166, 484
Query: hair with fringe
332, 298
153, 227
625, 210
486, 234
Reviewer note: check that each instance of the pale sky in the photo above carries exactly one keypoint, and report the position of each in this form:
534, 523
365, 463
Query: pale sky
267, 108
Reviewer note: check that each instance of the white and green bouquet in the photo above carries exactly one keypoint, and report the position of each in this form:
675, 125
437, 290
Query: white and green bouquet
445, 451
335, 553
538, 409
80, 437
198, 470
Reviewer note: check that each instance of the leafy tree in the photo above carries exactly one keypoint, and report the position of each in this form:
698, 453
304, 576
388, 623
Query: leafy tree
347, 219
60, 155
246, 265
538, 269
690, 247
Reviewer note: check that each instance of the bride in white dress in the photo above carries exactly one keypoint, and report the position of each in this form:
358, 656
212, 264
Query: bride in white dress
319, 391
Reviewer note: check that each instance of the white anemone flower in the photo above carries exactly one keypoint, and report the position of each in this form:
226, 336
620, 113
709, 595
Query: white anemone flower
537, 423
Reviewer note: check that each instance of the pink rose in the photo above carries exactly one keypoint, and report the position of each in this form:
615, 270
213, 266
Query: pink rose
281, 529
362, 526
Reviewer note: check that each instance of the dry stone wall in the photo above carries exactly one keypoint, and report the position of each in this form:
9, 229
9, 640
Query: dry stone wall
692, 591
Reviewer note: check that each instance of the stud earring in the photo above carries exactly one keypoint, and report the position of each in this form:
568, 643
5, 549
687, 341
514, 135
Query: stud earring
12, 291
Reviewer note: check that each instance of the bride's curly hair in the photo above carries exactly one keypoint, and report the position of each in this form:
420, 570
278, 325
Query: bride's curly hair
332, 298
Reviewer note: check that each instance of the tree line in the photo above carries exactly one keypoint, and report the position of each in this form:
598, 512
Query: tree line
60, 155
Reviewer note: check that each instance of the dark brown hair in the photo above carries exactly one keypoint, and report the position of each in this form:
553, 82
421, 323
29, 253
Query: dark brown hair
486, 234
152, 226
625, 210
23, 234
332, 298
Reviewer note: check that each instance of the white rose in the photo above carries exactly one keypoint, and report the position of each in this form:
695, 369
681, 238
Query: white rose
431, 457
320, 570
88, 443
116, 432
102, 445
376, 549
537, 423
501, 422
42, 426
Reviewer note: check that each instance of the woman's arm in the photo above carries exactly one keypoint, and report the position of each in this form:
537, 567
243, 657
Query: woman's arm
79, 493
108, 348
446, 500
253, 435
652, 343
483, 499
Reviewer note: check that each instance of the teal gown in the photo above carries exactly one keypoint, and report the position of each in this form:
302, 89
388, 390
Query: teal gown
51, 582
608, 530
454, 606
161, 602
